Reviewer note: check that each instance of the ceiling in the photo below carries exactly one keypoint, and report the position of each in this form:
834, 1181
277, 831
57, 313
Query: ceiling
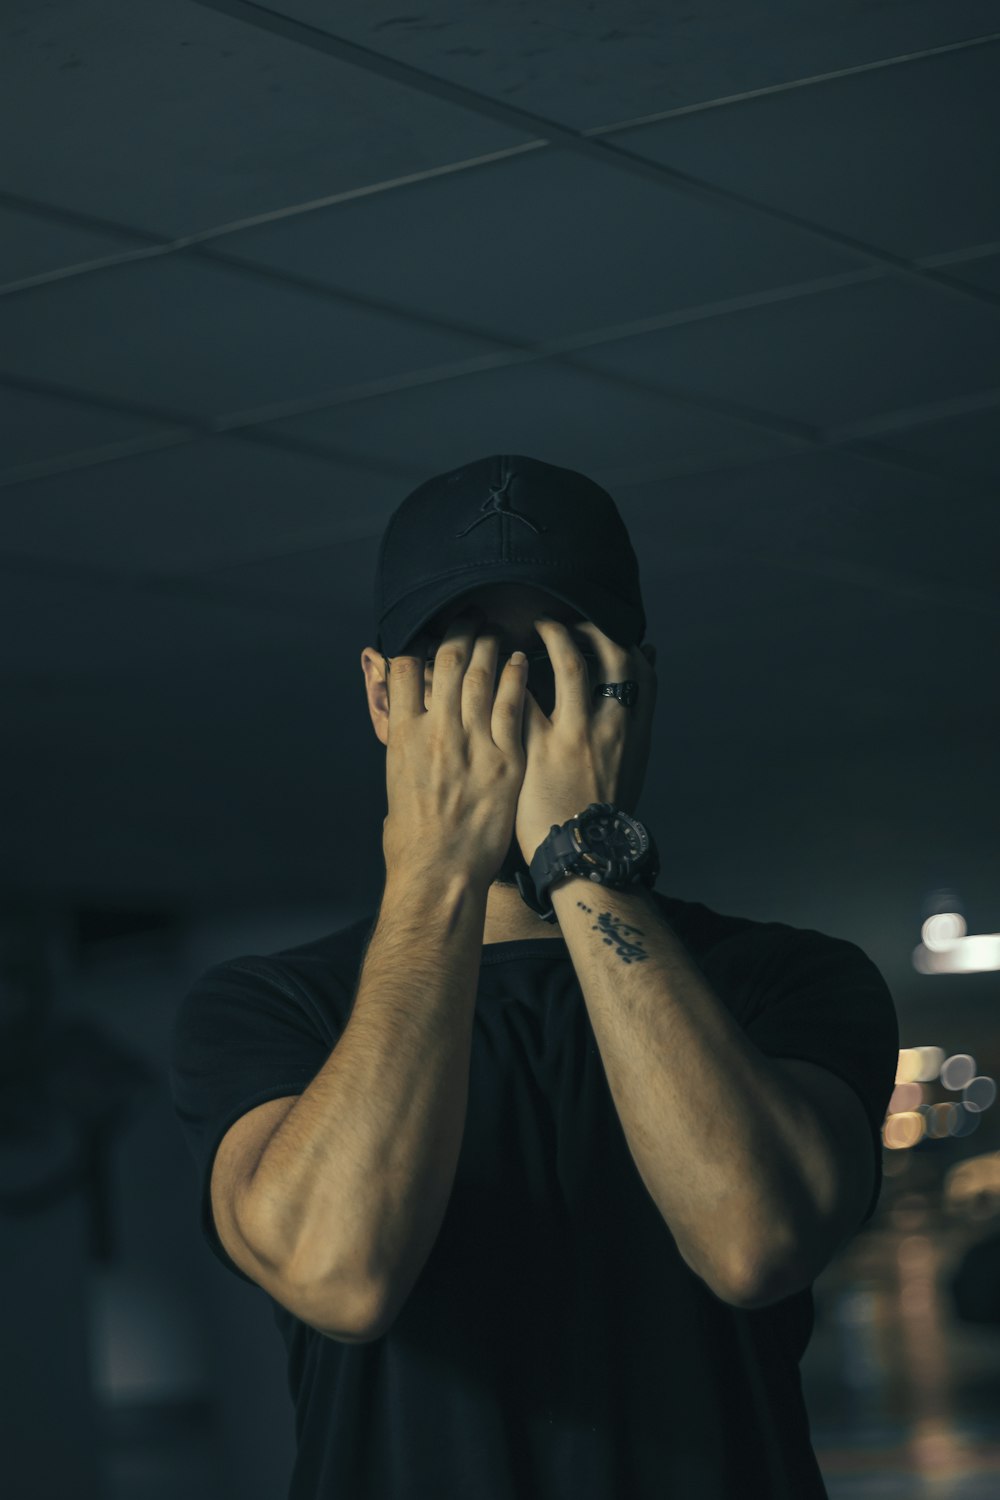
265, 270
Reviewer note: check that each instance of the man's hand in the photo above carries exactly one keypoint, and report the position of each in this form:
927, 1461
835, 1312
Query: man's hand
592, 749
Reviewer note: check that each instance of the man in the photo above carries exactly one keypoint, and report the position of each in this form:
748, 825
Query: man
538, 1164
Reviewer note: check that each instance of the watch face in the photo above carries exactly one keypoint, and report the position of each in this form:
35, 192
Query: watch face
598, 833
605, 835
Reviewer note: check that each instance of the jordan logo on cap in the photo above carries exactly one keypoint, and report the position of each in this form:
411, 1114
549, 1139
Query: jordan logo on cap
497, 503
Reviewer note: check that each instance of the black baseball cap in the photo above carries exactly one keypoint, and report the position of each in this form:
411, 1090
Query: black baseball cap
506, 519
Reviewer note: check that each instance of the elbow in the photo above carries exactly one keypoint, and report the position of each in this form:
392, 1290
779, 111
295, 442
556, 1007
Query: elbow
746, 1282
338, 1308
764, 1291
762, 1280
765, 1282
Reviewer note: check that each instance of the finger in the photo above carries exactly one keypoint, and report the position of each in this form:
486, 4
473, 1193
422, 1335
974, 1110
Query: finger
507, 717
479, 682
568, 668
405, 685
451, 661
617, 663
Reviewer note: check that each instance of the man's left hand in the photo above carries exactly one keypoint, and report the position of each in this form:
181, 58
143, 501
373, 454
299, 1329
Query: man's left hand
592, 749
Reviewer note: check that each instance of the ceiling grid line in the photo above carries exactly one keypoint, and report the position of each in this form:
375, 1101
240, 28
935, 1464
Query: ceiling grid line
189, 587
188, 428
598, 149
185, 427
591, 144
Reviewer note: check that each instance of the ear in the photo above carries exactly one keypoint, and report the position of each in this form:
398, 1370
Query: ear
377, 692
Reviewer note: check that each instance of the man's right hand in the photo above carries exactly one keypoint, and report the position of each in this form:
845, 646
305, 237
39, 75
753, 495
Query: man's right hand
455, 762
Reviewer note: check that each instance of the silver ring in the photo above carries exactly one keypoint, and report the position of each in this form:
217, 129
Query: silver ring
627, 693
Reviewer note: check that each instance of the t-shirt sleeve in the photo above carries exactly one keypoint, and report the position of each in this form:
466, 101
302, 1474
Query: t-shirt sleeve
244, 1033
821, 999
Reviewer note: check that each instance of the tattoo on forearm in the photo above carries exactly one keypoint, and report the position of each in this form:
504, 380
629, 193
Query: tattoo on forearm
614, 930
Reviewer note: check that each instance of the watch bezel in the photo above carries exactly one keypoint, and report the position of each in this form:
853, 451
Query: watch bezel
612, 818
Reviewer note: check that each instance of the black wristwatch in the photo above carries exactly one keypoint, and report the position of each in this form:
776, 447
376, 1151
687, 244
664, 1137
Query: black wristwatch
603, 843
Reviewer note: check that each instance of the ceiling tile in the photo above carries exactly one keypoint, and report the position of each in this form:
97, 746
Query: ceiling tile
540, 246
175, 119
983, 271
209, 504
586, 65
827, 359
898, 157
35, 428
195, 337
972, 441
541, 409
87, 634
889, 538
31, 245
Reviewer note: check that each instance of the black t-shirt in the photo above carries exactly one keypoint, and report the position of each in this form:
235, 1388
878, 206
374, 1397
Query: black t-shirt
555, 1345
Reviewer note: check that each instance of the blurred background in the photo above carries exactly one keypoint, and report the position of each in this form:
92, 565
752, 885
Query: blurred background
263, 271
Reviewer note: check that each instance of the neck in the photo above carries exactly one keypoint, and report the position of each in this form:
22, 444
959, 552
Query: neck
508, 920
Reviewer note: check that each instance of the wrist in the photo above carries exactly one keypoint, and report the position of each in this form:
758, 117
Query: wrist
447, 892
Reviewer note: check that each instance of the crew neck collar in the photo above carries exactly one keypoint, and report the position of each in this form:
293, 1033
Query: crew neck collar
523, 948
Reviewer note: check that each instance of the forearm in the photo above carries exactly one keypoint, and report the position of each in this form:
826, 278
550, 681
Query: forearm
709, 1122
353, 1185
